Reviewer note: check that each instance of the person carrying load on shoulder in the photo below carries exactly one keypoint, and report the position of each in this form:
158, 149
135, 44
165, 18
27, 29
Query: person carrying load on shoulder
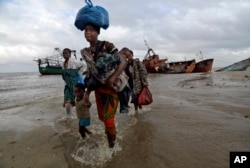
124, 95
137, 77
105, 79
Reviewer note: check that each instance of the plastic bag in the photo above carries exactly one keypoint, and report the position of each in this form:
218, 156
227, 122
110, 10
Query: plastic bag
80, 79
145, 96
90, 14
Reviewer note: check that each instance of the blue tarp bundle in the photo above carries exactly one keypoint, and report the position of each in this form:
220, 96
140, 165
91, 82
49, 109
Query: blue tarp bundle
96, 15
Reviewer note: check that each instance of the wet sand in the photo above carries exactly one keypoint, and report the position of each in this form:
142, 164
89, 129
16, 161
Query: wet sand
28, 137
195, 121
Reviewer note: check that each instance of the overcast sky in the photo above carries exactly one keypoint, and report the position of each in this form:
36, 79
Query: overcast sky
175, 29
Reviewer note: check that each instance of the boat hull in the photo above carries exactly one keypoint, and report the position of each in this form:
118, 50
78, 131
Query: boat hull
177, 67
50, 70
238, 66
204, 66
155, 65
152, 64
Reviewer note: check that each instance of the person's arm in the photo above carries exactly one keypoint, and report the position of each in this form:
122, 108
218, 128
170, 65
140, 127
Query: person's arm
86, 96
82, 67
118, 71
143, 74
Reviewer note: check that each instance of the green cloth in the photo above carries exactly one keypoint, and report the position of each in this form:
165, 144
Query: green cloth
105, 64
70, 78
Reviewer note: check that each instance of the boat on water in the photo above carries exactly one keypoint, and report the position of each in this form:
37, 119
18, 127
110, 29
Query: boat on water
238, 66
177, 67
51, 65
151, 61
204, 65
154, 64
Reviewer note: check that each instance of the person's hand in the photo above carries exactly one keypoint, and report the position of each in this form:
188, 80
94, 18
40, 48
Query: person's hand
85, 53
110, 82
86, 98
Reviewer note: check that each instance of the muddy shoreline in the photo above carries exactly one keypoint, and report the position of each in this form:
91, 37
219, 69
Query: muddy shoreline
195, 121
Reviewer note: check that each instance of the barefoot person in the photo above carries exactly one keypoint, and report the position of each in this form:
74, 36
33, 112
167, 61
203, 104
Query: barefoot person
82, 109
71, 69
124, 95
106, 97
137, 77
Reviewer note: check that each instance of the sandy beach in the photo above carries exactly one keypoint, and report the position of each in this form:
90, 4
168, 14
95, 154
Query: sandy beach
28, 137
194, 121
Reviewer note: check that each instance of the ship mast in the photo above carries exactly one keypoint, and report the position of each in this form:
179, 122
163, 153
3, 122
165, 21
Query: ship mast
149, 50
199, 54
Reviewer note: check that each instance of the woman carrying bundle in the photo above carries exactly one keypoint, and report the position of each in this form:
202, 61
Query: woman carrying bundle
106, 97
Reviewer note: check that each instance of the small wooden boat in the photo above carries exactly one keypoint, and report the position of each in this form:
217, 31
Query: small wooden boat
204, 65
177, 67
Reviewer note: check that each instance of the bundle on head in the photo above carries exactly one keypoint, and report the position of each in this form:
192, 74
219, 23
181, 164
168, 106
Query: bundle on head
89, 14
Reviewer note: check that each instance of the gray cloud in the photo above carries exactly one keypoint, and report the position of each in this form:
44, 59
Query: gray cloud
174, 29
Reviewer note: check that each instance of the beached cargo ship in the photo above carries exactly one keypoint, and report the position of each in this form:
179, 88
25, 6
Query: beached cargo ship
151, 61
204, 65
177, 67
154, 64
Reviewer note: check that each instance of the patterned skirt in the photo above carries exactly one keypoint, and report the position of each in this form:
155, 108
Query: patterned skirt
70, 78
107, 101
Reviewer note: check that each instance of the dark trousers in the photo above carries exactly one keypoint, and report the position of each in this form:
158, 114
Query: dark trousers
124, 97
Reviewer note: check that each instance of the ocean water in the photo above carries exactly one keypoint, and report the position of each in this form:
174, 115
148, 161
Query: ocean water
17, 89
191, 123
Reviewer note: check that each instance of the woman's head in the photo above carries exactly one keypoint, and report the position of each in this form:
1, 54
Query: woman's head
66, 53
127, 53
91, 32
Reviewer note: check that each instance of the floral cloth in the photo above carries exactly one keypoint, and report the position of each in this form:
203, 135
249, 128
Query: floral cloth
70, 78
101, 66
139, 75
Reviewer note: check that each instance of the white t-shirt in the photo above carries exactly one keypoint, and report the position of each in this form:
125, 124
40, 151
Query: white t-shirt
75, 64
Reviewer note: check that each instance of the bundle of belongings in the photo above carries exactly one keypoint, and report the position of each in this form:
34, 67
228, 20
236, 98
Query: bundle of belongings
101, 70
90, 14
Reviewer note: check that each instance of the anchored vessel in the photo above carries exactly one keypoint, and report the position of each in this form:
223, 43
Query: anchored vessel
51, 65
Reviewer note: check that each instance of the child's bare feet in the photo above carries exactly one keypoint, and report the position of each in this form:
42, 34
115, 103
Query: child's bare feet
88, 131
